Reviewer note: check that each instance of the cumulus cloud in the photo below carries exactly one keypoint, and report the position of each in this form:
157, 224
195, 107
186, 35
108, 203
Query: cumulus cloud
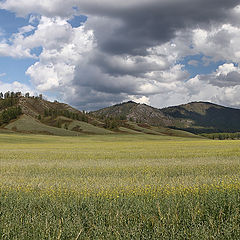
44, 7
226, 75
219, 43
229, 96
14, 47
15, 51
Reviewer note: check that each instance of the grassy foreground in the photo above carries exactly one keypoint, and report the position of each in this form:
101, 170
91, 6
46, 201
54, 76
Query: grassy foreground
118, 187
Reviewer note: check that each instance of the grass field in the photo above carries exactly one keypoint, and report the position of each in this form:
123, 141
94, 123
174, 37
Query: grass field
118, 187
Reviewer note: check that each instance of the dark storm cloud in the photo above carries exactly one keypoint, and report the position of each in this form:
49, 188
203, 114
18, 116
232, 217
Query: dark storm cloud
144, 24
90, 76
123, 65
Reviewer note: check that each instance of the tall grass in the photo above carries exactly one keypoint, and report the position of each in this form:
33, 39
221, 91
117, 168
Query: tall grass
118, 187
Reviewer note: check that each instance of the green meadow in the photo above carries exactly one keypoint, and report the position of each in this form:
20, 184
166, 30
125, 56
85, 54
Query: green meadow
118, 187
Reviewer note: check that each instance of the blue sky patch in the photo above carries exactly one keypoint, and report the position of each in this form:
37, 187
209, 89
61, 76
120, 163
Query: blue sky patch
10, 23
197, 65
37, 51
77, 21
15, 69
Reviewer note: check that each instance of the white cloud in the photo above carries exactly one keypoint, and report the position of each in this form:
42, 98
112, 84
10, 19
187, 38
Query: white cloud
222, 86
44, 7
221, 43
15, 87
229, 96
50, 77
225, 75
26, 29
62, 50
192, 90
15, 47
15, 51
51, 33
226, 68
142, 100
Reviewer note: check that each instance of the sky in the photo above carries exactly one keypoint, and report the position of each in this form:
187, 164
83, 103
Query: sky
93, 54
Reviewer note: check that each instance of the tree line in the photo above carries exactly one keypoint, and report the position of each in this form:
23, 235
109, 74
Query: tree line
9, 94
65, 113
222, 136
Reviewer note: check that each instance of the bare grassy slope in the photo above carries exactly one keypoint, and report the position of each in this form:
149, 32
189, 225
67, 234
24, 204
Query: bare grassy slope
27, 124
84, 127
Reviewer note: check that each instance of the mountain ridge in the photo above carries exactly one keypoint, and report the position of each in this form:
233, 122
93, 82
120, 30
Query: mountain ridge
196, 117
25, 114
37, 115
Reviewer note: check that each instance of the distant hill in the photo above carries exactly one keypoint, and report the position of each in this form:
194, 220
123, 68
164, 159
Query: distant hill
135, 112
205, 117
195, 117
25, 114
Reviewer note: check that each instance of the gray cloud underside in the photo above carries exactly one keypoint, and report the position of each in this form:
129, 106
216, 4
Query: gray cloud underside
146, 24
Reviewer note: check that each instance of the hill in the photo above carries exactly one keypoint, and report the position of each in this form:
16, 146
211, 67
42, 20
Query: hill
135, 112
195, 117
38, 116
205, 117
